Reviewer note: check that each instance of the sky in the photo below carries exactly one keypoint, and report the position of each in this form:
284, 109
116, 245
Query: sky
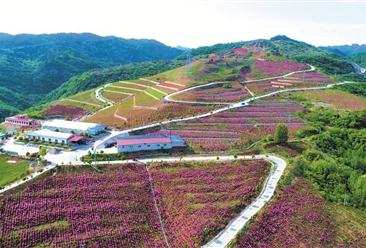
192, 23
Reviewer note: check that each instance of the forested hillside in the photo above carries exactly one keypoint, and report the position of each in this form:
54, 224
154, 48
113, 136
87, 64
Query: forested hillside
360, 59
31, 66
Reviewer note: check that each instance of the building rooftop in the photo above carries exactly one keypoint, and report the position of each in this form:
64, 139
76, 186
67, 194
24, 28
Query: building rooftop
70, 124
19, 118
139, 140
49, 133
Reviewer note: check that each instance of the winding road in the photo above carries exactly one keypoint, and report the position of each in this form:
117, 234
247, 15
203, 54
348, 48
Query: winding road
168, 98
226, 236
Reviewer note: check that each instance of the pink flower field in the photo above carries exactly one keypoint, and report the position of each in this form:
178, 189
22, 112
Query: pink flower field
216, 93
198, 200
296, 80
115, 208
297, 218
277, 68
110, 209
68, 112
238, 127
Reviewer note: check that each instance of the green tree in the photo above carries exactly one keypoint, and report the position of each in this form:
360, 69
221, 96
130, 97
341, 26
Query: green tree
281, 134
42, 151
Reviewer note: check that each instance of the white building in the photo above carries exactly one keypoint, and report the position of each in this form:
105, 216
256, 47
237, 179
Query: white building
46, 135
148, 143
20, 120
73, 127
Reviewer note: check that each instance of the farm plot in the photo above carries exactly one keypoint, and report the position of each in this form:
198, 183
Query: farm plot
141, 116
297, 218
268, 68
83, 209
297, 80
333, 98
86, 100
198, 200
67, 112
238, 127
223, 92
114, 96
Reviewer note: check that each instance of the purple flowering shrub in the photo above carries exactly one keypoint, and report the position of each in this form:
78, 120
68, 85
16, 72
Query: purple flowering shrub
110, 209
199, 200
297, 218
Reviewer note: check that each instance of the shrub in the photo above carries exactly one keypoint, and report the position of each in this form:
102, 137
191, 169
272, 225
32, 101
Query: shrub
281, 134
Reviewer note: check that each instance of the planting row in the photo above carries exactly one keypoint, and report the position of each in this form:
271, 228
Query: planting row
115, 208
239, 126
197, 201
267, 68
297, 80
222, 92
111, 209
298, 218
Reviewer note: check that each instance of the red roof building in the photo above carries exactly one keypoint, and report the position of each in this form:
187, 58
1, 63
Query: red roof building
20, 120
148, 142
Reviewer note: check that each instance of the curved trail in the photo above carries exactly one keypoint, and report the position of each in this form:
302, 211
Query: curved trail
168, 98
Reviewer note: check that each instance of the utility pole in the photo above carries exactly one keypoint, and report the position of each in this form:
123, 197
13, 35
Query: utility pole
188, 60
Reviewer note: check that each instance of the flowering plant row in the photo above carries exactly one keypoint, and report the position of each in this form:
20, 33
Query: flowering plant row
297, 218
239, 126
277, 68
198, 200
68, 112
110, 209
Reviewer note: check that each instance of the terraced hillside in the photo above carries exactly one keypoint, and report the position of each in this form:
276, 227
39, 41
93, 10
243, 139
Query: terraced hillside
296, 80
137, 102
238, 127
219, 78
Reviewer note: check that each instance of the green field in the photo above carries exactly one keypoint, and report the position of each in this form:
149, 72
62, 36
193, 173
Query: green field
142, 82
155, 93
86, 106
131, 85
87, 96
127, 91
11, 172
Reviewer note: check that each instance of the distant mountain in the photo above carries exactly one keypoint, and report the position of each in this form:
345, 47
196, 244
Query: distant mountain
31, 66
346, 50
283, 46
360, 58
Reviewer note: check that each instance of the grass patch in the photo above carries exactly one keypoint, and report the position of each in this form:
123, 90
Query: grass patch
291, 149
87, 96
155, 93
11, 172
350, 225
131, 85
57, 224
